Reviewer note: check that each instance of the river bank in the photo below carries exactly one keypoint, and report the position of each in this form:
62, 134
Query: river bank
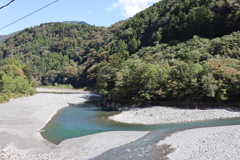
199, 144
22, 120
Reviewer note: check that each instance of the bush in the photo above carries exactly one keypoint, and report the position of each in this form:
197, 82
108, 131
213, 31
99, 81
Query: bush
6, 98
1, 99
32, 92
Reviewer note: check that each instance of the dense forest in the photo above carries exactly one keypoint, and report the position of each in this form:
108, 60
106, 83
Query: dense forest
182, 49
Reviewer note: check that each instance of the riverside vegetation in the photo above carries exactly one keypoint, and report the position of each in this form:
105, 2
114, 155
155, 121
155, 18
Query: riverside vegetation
182, 49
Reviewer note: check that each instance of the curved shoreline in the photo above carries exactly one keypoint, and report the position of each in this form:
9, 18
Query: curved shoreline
22, 119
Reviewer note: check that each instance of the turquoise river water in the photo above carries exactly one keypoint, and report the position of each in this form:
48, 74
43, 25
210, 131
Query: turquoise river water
85, 119
88, 118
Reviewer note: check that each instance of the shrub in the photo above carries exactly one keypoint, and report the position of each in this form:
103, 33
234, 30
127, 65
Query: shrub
6, 98
1, 99
32, 92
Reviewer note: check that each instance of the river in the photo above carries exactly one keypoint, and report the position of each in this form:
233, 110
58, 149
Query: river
88, 118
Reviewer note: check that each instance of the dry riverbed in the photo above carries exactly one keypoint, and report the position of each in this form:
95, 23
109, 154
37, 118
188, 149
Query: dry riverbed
215, 143
22, 119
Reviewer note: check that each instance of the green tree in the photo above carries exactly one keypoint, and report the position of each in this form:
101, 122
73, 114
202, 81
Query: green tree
136, 81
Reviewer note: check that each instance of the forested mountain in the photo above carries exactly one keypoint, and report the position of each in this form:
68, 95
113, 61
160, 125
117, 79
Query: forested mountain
183, 49
57, 52
179, 20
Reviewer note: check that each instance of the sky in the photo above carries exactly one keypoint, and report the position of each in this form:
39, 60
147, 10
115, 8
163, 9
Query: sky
94, 12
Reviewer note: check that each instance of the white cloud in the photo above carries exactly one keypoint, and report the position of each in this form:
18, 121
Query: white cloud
86, 11
130, 7
113, 6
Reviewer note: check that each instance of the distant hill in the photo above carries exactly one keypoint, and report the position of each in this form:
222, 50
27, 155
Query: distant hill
74, 22
3, 37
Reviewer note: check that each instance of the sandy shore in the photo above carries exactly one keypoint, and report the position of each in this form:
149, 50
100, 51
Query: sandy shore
21, 120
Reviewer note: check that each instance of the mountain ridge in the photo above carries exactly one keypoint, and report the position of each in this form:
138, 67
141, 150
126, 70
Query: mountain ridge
3, 37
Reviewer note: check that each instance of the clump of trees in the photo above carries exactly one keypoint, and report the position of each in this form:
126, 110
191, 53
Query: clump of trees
16, 80
196, 69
